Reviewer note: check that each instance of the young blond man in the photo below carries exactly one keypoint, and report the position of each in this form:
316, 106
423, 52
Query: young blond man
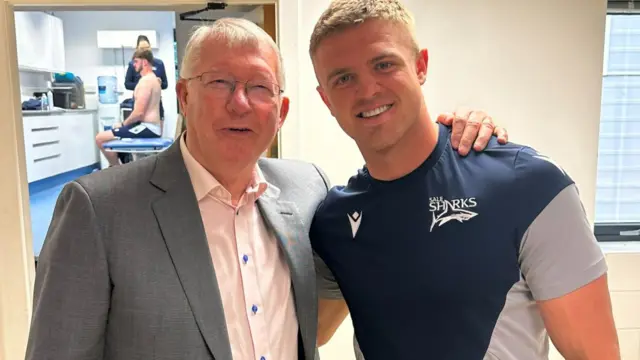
441, 256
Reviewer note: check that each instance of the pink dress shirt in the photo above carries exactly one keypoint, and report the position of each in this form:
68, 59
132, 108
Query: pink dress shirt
251, 269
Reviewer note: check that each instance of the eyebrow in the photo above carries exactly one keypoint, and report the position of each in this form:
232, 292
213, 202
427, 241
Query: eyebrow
342, 71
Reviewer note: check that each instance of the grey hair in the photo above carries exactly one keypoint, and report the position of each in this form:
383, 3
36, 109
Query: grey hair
344, 14
235, 32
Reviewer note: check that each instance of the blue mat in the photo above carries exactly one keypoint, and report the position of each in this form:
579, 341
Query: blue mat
139, 144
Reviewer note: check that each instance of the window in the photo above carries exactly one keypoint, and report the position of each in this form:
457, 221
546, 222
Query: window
618, 179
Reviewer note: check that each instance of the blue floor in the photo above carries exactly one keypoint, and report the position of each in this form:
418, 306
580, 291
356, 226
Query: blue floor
42, 205
43, 195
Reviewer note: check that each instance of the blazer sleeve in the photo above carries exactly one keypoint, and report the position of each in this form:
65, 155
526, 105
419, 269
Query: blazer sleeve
130, 78
323, 175
72, 285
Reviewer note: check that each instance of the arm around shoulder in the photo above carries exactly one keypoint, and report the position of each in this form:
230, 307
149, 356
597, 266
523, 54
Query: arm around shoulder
72, 286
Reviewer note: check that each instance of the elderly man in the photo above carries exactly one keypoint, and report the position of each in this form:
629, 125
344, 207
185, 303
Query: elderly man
440, 256
202, 251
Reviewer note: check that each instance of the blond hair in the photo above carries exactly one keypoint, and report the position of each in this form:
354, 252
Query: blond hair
234, 32
344, 14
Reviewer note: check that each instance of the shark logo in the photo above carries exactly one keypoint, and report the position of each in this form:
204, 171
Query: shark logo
354, 219
443, 211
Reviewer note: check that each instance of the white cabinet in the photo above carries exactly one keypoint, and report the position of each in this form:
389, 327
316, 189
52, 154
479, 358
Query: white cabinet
57, 44
40, 41
55, 144
79, 147
42, 146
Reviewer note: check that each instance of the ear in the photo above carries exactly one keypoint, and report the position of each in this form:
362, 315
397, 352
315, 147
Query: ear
284, 110
182, 92
325, 99
421, 65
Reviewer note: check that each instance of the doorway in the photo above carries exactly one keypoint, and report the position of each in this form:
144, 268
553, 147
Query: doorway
17, 243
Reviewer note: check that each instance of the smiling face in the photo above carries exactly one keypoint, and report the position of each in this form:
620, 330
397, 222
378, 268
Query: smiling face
370, 77
231, 128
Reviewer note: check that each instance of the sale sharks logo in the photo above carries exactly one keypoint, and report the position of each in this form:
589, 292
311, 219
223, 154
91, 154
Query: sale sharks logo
444, 211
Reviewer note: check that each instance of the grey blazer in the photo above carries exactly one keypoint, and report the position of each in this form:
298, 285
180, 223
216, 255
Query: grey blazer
125, 271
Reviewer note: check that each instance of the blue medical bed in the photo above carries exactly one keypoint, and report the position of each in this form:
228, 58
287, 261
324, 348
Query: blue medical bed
138, 148
151, 145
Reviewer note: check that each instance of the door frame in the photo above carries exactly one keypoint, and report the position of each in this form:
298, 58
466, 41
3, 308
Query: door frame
17, 270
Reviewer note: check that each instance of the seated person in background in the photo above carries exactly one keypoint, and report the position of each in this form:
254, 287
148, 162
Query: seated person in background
144, 121
132, 77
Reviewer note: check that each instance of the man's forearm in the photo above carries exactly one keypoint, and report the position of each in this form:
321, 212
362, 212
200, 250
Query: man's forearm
331, 314
134, 117
581, 325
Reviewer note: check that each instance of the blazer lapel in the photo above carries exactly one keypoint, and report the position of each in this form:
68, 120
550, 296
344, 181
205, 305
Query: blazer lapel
284, 219
181, 225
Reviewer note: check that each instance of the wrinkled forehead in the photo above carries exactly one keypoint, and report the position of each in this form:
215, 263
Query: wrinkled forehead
242, 60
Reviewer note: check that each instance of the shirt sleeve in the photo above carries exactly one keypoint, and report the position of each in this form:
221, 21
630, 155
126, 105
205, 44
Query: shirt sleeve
559, 251
327, 285
162, 74
130, 78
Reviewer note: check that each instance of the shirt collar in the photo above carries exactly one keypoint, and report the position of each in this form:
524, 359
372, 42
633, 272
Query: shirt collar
204, 183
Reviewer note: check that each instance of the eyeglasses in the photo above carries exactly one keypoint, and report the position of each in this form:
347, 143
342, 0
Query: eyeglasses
257, 91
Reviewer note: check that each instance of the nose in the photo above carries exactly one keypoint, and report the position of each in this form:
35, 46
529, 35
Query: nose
368, 86
239, 102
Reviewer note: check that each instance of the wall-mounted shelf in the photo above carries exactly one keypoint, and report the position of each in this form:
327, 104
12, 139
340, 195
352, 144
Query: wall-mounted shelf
118, 39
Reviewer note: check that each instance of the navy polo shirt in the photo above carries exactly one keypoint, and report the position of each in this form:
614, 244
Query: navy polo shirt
448, 261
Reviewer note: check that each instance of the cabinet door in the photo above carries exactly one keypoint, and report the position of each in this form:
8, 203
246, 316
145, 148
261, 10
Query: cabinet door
80, 148
28, 29
56, 39
44, 141
40, 41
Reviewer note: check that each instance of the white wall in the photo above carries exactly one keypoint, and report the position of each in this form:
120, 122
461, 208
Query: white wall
532, 67
184, 28
85, 59
535, 66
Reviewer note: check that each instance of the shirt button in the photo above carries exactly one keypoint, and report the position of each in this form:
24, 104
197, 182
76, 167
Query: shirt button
263, 358
254, 308
238, 212
245, 259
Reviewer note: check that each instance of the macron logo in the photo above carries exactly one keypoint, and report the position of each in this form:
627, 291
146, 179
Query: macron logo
354, 220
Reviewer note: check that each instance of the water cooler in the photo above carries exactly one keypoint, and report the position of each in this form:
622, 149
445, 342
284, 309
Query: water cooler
108, 107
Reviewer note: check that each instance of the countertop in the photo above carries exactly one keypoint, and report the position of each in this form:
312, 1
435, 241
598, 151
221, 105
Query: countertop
611, 247
57, 112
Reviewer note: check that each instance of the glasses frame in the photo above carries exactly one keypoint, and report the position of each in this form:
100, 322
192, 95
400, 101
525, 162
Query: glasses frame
279, 91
